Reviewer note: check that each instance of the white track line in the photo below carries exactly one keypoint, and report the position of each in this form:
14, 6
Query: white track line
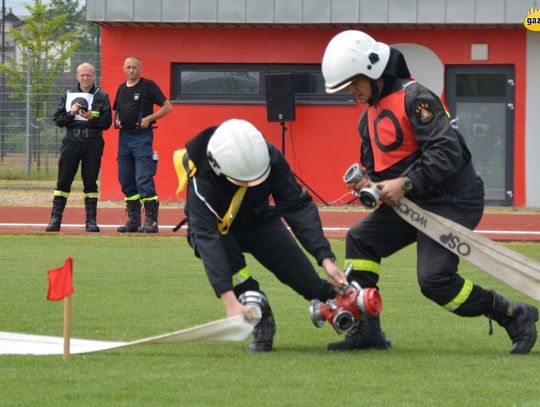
326, 229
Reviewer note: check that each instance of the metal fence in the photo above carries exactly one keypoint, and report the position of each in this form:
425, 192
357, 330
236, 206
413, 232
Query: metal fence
28, 134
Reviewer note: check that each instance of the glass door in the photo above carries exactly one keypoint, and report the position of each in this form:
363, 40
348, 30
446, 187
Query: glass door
481, 100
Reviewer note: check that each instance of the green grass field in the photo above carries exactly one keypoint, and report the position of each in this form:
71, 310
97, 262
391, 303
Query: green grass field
129, 287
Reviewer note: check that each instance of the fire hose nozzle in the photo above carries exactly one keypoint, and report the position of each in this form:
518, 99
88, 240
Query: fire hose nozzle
350, 306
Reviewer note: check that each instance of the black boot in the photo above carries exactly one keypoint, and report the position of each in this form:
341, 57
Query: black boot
133, 208
59, 203
90, 205
264, 331
519, 321
151, 209
365, 334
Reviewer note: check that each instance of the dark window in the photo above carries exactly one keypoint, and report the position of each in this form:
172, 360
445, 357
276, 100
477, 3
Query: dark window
219, 82
244, 83
481, 85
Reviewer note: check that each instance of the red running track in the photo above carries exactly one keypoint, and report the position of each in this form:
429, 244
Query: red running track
496, 226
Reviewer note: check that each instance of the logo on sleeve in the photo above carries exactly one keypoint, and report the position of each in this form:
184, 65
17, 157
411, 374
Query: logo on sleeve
424, 113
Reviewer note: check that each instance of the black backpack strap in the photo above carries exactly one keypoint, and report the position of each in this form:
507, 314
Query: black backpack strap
142, 96
117, 102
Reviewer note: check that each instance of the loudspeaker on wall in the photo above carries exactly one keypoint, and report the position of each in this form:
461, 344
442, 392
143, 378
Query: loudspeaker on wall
280, 104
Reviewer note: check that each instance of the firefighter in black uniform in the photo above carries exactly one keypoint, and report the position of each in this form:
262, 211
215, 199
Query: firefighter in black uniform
85, 113
231, 172
409, 148
137, 163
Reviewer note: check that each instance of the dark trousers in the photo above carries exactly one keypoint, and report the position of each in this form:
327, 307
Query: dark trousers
136, 168
88, 153
272, 245
383, 233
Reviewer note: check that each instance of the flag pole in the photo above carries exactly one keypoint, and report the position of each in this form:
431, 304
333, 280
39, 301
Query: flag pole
61, 288
67, 326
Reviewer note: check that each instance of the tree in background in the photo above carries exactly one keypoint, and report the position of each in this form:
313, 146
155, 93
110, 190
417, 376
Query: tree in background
87, 32
46, 47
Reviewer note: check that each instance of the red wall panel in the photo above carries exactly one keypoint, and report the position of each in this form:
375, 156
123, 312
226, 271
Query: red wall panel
322, 142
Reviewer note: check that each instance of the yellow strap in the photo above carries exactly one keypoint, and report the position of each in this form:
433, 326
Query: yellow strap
135, 197
240, 276
364, 265
225, 224
184, 167
461, 297
57, 192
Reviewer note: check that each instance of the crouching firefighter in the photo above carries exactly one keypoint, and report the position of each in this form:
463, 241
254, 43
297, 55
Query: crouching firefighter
230, 172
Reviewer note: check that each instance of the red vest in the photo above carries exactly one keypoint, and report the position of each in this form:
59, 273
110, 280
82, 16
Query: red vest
390, 131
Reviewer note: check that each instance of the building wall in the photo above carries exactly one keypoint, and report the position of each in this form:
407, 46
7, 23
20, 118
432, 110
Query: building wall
322, 142
532, 121
310, 12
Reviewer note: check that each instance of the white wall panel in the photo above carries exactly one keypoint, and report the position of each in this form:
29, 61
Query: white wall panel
288, 11
311, 11
119, 10
232, 11
202, 11
344, 11
316, 11
260, 11
147, 11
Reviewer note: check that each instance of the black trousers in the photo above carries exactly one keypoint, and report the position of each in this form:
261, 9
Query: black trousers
274, 247
74, 152
383, 233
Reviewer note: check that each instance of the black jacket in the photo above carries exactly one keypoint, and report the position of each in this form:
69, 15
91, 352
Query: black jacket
442, 163
102, 118
291, 202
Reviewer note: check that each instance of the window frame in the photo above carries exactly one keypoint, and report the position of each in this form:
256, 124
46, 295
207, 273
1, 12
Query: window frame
259, 98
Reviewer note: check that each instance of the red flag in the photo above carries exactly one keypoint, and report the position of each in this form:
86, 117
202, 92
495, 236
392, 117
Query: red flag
60, 281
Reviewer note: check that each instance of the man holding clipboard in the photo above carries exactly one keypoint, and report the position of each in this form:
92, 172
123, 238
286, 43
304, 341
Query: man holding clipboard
85, 112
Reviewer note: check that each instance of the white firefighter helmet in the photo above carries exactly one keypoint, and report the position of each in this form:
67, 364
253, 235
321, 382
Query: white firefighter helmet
352, 53
238, 151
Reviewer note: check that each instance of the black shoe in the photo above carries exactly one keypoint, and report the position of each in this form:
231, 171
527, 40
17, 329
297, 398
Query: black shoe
151, 209
263, 334
519, 321
53, 227
133, 209
522, 327
264, 331
148, 227
365, 334
91, 227
90, 206
59, 203
129, 227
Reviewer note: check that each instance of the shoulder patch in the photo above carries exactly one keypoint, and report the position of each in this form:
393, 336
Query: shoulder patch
423, 112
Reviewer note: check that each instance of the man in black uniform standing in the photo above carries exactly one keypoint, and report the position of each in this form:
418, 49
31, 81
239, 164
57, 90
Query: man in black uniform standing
231, 172
137, 164
409, 148
85, 112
